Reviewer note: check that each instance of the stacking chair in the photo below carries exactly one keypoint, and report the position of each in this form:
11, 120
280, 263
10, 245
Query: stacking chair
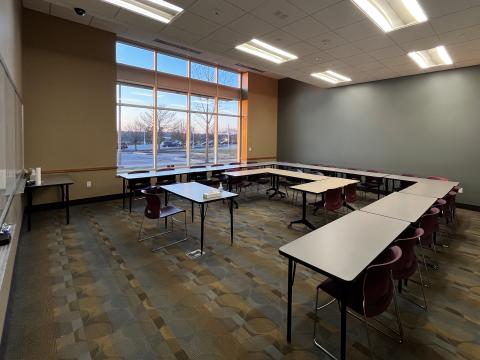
404, 184
429, 223
155, 211
199, 176
134, 186
350, 195
332, 201
372, 183
166, 180
408, 263
441, 178
353, 176
368, 296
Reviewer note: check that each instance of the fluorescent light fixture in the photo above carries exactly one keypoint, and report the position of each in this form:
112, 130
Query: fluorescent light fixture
158, 10
432, 57
331, 76
266, 51
390, 15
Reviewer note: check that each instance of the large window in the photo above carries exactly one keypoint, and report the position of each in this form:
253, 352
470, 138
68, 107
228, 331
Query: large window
158, 126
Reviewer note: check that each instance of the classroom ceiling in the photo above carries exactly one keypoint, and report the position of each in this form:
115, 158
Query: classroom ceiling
324, 34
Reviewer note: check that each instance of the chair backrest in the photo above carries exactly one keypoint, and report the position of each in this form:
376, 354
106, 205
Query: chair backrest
350, 193
215, 165
378, 288
374, 179
428, 222
140, 181
333, 199
138, 172
235, 163
165, 169
450, 200
171, 165
196, 166
252, 162
407, 243
152, 209
441, 178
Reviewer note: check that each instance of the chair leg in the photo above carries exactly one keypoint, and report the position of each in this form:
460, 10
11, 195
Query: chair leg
397, 313
423, 290
140, 230
370, 347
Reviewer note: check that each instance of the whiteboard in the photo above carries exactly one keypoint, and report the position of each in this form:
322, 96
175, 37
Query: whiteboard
11, 138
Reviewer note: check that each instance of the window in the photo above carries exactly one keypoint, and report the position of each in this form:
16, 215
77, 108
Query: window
228, 78
189, 127
172, 65
135, 56
202, 72
171, 128
134, 127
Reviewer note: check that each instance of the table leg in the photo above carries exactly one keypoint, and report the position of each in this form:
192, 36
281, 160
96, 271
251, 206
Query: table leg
289, 301
166, 203
276, 188
231, 221
29, 208
192, 210
343, 324
202, 217
303, 220
62, 189
123, 192
67, 203
130, 195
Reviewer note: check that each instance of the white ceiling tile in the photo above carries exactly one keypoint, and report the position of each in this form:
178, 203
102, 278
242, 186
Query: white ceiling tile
457, 20
396, 61
137, 22
467, 63
279, 38
311, 6
327, 41
213, 46
184, 4
374, 43
302, 48
469, 50
250, 25
188, 21
318, 57
339, 15
37, 5
388, 52
306, 28
218, 11
344, 51
436, 8
278, 12
228, 37
179, 36
247, 5
371, 66
359, 30
93, 7
358, 59
461, 35
421, 44
411, 33
408, 67
67, 13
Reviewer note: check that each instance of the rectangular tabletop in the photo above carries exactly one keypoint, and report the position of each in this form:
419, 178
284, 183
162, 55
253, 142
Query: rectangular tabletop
435, 188
248, 172
318, 187
343, 248
297, 175
401, 206
194, 191
418, 179
53, 180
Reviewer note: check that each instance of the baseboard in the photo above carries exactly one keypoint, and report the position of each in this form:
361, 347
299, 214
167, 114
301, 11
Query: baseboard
468, 207
59, 205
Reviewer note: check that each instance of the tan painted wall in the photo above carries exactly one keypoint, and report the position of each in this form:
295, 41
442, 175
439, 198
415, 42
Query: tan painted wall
70, 123
262, 117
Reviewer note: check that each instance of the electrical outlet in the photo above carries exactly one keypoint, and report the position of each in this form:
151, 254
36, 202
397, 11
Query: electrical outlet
250, 149
89, 184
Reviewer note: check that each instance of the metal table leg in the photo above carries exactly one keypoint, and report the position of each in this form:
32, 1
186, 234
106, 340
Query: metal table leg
67, 202
289, 301
303, 220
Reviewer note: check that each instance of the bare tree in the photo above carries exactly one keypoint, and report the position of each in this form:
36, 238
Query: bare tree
204, 118
135, 131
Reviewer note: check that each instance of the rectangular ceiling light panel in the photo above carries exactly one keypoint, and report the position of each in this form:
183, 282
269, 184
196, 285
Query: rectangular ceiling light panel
266, 51
331, 77
437, 56
158, 10
390, 15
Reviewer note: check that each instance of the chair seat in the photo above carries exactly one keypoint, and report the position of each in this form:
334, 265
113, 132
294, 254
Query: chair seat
165, 182
355, 297
169, 210
404, 271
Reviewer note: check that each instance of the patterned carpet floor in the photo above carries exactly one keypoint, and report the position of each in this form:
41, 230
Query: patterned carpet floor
89, 290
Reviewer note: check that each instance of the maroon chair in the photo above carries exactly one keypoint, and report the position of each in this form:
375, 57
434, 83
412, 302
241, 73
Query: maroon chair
368, 296
353, 176
332, 201
429, 223
166, 180
408, 263
136, 185
197, 176
350, 195
372, 183
441, 178
155, 211
404, 184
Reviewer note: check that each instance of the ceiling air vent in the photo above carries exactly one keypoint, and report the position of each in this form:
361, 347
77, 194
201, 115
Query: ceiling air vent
250, 68
180, 47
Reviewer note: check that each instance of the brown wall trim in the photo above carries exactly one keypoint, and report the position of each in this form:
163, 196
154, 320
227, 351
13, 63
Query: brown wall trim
65, 171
